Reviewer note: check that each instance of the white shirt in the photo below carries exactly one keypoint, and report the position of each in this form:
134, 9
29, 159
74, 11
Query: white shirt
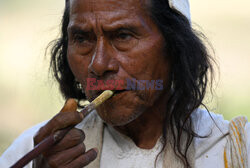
208, 151
119, 151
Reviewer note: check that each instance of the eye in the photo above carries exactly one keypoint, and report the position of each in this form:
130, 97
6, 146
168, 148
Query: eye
124, 40
79, 38
123, 36
82, 42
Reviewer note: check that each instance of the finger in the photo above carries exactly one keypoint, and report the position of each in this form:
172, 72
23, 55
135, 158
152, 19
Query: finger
72, 138
65, 157
84, 160
70, 105
61, 120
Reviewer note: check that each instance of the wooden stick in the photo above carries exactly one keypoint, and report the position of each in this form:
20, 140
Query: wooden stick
51, 140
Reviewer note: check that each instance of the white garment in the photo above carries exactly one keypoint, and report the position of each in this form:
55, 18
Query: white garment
182, 6
120, 151
22, 145
208, 151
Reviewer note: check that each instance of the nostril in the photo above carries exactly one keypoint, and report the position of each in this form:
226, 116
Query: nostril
101, 69
103, 61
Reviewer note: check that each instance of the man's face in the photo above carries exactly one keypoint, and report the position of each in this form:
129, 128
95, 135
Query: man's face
117, 40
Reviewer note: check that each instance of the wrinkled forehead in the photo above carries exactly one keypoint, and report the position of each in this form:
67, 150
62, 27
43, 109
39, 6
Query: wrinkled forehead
131, 7
106, 13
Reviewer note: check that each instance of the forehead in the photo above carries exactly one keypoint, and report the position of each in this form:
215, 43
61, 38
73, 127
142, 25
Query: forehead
107, 9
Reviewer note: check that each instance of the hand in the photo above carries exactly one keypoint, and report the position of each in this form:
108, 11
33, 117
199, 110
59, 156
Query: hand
70, 151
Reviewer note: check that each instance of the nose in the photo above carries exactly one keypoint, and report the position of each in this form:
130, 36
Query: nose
103, 61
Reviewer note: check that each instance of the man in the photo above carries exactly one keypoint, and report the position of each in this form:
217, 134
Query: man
145, 40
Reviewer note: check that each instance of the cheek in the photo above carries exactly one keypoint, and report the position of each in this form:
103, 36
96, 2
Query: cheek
148, 61
78, 64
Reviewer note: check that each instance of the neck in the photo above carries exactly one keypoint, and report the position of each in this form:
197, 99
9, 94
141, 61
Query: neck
146, 129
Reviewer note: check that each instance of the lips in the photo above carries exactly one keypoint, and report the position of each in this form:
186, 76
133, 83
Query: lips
119, 91
118, 95
96, 93
118, 86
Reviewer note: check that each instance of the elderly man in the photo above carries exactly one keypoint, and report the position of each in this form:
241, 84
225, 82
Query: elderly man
146, 40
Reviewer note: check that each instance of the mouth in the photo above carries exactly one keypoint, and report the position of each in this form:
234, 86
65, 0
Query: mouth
116, 93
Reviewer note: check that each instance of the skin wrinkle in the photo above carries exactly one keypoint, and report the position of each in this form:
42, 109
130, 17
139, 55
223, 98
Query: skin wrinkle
140, 55
186, 52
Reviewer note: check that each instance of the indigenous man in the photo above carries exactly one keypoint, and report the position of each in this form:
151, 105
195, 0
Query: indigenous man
143, 128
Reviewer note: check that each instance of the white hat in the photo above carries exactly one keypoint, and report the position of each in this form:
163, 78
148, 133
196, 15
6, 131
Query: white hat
182, 6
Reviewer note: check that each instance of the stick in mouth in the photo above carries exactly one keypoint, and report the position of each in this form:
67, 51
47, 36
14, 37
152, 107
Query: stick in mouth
96, 102
102, 97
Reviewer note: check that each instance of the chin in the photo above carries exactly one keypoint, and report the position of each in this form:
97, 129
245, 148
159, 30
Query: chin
120, 114
124, 107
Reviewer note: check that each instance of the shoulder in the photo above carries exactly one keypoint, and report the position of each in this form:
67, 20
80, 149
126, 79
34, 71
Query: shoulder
213, 127
205, 122
20, 146
210, 149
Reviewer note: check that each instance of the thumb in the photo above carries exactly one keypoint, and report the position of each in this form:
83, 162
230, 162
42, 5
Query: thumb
70, 105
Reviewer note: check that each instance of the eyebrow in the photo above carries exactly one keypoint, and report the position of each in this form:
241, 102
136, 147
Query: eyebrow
122, 25
78, 29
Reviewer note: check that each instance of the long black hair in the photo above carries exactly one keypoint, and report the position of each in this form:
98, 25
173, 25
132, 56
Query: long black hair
191, 64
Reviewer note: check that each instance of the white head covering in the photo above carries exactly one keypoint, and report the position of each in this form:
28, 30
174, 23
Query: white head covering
182, 6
